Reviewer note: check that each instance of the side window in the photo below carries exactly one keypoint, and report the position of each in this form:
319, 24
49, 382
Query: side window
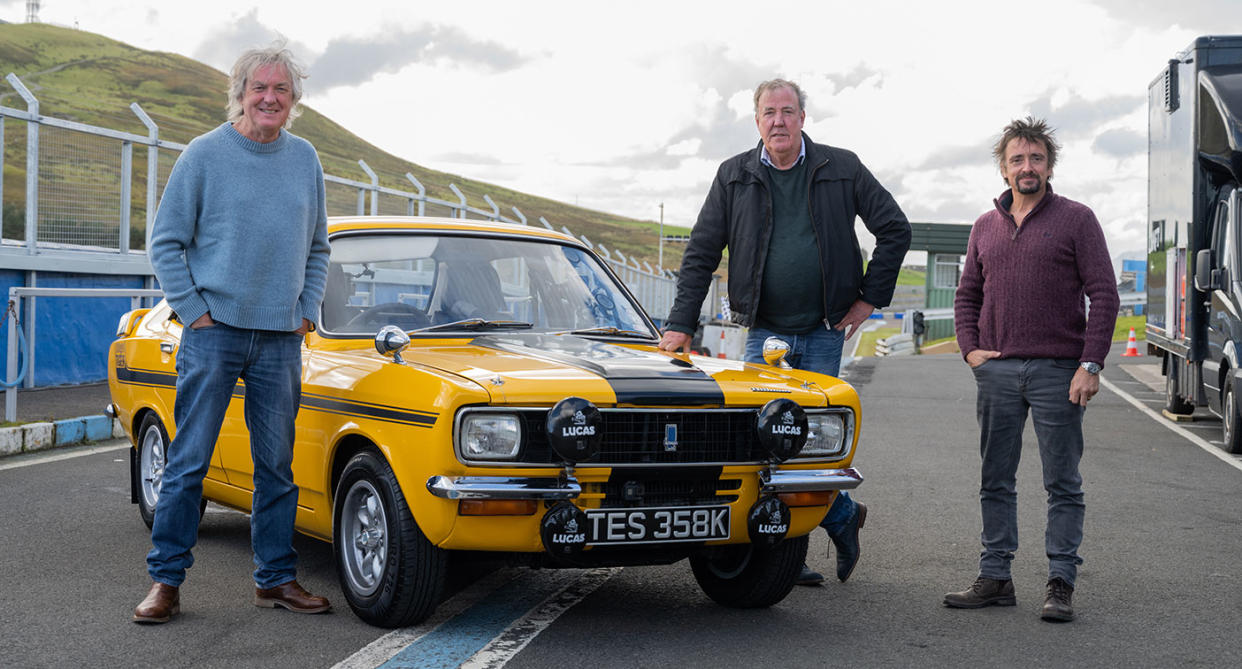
947, 270
1223, 241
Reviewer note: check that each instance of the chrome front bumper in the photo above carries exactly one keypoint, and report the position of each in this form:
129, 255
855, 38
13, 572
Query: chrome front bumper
809, 480
549, 488
503, 487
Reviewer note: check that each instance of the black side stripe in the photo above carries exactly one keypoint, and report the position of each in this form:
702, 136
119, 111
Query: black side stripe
310, 401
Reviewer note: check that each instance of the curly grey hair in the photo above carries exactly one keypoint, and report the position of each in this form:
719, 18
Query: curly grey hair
253, 59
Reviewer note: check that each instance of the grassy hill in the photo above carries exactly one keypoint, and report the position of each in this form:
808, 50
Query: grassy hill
84, 77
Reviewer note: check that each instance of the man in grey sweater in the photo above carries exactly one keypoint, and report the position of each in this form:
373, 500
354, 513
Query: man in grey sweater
1023, 329
240, 247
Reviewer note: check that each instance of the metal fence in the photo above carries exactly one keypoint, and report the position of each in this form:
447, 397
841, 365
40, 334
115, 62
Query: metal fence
90, 192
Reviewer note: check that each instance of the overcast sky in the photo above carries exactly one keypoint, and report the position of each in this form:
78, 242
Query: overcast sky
623, 107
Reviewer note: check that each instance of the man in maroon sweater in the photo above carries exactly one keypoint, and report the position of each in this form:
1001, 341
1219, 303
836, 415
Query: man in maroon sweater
1025, 332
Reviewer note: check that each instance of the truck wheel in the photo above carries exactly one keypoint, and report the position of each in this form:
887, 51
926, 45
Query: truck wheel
1230, 421
390, 573
742, 577
1172, 402
149, 475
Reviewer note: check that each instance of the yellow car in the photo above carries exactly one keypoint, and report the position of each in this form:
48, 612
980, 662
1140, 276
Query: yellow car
476, 386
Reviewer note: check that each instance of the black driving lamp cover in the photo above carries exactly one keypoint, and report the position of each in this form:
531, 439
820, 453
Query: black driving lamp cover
575, 429
564, 530
767, 523
782, 428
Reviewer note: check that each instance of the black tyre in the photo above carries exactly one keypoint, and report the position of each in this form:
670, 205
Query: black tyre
149, 473
1230, 420
742, 577
1172, 402
390, 573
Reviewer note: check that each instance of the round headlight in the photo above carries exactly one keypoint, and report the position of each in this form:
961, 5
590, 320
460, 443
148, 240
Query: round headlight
490, 436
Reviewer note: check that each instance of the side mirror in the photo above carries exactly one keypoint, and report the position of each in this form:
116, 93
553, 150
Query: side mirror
390, 341
774, 351
1207, 278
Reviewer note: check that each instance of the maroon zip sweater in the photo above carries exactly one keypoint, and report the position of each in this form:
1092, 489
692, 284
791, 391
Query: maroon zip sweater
1021, 291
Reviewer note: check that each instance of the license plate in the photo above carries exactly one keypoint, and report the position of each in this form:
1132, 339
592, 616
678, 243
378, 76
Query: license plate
657, 525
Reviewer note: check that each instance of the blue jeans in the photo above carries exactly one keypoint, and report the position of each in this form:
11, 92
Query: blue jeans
816, 351
209, 363
1007, 389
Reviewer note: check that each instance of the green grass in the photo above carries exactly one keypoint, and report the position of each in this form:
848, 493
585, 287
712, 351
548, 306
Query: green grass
911, 277
92, 79
1124, 323
866, 341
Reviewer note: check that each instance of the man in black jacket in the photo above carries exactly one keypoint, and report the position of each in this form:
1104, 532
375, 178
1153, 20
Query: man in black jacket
785, 210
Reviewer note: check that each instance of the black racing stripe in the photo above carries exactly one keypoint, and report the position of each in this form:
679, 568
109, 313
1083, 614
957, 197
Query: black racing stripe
142, 377
336, 405
324, 403
637, 377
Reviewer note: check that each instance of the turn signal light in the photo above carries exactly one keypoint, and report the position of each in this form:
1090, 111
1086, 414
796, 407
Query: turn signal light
497, 507
816, 498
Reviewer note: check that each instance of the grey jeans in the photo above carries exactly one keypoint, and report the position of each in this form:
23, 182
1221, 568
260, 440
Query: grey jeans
1008, 388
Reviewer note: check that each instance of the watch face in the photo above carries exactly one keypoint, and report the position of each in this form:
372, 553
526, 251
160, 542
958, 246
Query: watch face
1091, 367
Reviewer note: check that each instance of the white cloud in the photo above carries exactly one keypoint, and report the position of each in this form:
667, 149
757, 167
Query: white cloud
622, 107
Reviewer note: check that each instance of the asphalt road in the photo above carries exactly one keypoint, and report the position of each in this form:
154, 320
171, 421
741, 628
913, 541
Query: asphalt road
1161, 584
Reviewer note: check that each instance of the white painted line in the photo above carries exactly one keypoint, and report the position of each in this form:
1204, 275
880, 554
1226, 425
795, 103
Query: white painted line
1183, 432
510, 642
382, 649
29, 460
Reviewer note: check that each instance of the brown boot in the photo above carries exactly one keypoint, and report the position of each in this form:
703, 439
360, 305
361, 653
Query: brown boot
1058, 603
161, 604
290, 596
984, 592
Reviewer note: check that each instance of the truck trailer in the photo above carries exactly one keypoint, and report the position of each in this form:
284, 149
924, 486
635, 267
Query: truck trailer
1194, 249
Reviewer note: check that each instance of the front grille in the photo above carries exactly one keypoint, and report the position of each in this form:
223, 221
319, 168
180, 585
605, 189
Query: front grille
637, 436
632, 488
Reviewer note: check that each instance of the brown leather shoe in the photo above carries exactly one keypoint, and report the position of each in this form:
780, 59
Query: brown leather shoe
161, 604
290, 596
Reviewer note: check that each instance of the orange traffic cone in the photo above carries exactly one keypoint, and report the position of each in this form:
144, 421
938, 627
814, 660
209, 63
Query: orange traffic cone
1132, 347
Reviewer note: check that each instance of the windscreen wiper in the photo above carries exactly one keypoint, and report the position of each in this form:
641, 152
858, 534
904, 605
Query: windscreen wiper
476, 324
610, 331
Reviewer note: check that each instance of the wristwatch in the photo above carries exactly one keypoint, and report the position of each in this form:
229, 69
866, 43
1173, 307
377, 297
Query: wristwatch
1091, 367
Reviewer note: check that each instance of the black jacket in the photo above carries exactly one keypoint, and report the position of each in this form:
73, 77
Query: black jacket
738, 214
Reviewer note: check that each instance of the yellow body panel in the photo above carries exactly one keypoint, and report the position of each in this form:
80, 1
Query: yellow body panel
353, 397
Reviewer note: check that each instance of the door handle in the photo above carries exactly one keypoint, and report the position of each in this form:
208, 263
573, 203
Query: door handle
166, 347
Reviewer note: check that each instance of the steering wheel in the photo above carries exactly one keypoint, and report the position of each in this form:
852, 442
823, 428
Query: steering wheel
397, 313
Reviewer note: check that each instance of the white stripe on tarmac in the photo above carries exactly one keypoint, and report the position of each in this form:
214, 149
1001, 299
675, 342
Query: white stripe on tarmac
510, 642
379, 651
29, 461
1177, 429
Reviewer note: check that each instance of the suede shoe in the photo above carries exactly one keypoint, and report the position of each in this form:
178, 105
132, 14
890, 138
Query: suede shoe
984, 592
290, 596
846, 543
160, 605
1058, 602
809, 577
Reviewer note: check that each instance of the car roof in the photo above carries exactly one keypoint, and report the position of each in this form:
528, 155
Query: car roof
339, 224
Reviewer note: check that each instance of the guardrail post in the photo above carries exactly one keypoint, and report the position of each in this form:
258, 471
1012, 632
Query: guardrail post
495, 209
461, 213
422, 195
374, 189
32, 162
516, 212
10, 394
153, 168
127, 169
546, 224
